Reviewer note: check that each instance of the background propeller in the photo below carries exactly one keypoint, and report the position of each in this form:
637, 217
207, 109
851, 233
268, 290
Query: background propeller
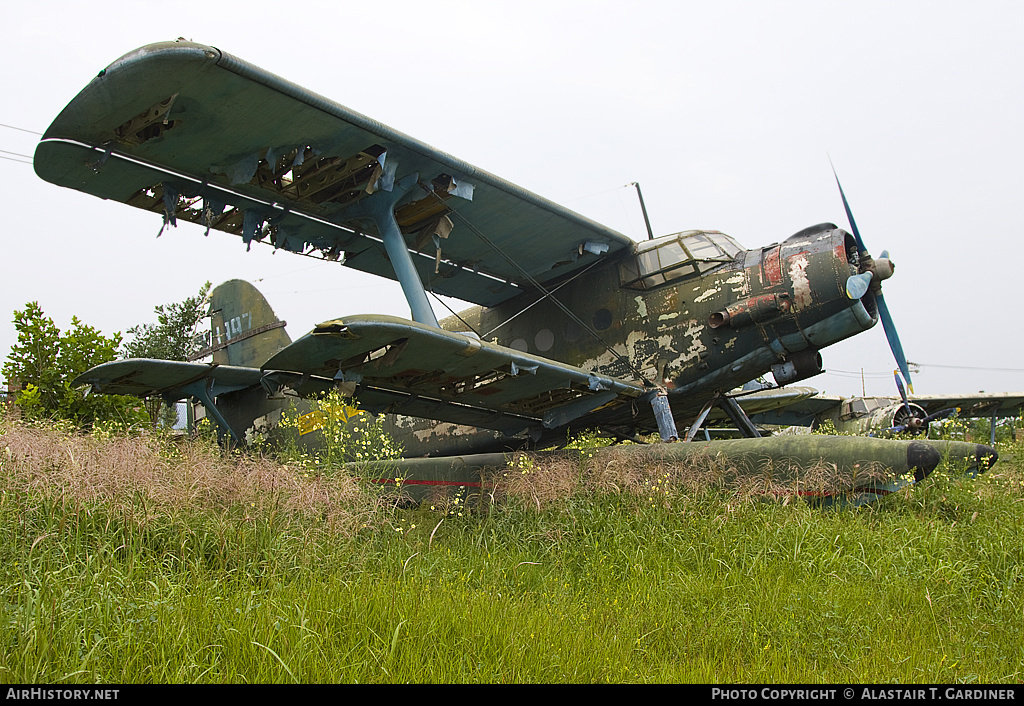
907, 418
873, 272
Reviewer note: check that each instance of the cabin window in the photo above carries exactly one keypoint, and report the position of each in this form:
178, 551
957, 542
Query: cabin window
860, 407
677, 257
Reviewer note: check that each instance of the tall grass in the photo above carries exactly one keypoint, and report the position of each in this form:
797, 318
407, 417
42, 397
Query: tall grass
140, 559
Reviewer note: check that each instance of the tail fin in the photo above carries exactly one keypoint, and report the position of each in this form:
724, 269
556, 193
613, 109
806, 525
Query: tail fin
244, 329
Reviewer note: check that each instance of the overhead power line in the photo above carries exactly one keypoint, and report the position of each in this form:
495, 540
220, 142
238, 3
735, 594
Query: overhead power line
969, 367
12, 127
857, 373
888, 374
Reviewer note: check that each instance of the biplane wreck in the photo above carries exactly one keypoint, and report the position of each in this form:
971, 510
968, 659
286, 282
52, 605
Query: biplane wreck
574, 326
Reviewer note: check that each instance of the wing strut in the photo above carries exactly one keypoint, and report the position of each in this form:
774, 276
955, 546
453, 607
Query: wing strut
380, 208
543, 290
206, 390
201, 392
738, 417
695, 427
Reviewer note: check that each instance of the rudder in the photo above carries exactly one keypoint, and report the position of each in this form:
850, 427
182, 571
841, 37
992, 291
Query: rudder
244, 329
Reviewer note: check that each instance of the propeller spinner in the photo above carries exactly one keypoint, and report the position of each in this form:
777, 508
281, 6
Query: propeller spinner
872, 272
905, 419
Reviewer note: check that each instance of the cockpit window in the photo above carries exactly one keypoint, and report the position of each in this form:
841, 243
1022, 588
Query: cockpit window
677, 256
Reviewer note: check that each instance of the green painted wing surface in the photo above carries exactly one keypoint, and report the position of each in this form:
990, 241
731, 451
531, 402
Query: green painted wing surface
788, 404
145, 377
767, 400
190, 132
404, 367
979, 404
801, 410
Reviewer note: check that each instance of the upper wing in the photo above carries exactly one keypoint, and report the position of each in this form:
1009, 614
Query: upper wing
194, 133
403, 367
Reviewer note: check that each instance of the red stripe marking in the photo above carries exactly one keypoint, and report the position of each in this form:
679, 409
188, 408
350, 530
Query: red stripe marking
815, 494
802, 493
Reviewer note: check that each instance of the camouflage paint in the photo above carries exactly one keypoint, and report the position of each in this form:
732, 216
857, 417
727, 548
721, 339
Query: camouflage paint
853, 462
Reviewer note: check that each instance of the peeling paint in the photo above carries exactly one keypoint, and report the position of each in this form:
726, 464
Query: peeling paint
694, 329
668, 317
708, 293
772, 271
641, 307
693, 332
802, 297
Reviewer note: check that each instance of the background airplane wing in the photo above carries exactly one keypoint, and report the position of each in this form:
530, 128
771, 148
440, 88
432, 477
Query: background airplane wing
803, 410
799, 410
191, 132
403, 367
803, 398
981, 404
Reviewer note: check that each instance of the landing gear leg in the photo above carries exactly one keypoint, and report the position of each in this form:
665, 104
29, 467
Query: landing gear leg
739, 417
663, 415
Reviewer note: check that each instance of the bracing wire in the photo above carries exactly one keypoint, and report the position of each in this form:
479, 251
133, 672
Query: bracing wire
529, 278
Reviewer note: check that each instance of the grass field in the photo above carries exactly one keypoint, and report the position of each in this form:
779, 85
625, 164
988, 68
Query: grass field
130, 559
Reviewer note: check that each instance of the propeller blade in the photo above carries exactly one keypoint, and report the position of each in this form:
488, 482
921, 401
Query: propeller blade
899, 386
857, 285
849, 213
894, 340
941, 414
883, 309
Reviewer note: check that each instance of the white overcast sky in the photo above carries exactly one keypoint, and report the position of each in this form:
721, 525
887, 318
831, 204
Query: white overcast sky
725, 113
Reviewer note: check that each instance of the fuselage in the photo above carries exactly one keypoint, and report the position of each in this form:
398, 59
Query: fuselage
693, 313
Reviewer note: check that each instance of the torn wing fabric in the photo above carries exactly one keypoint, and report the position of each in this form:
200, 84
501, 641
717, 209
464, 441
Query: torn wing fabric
180, 118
